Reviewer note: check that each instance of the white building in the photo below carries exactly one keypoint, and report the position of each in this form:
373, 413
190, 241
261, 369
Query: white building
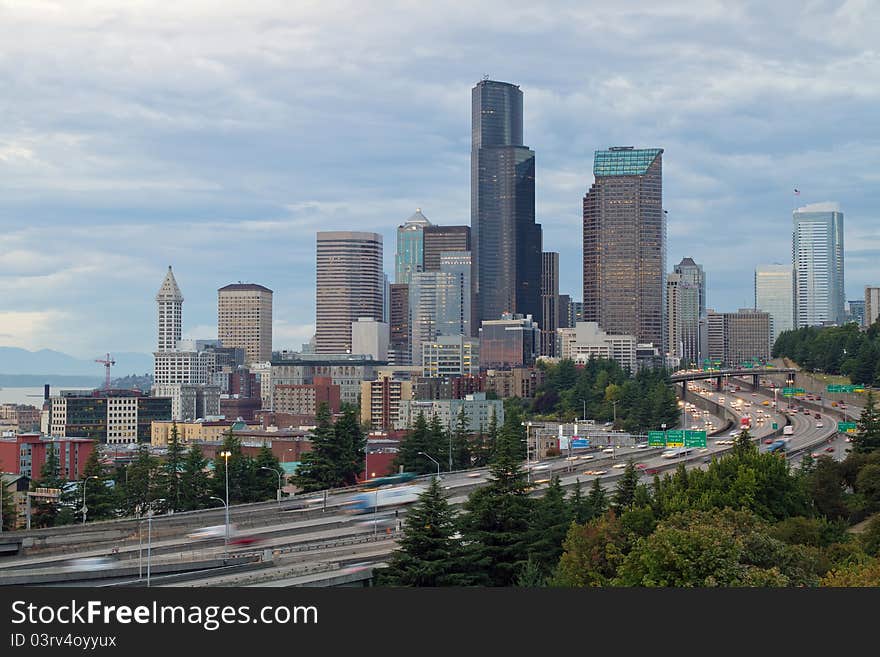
872, 304
478, 411
190, 402
370, 337
587, 341
774, 294
817, 255
450, 355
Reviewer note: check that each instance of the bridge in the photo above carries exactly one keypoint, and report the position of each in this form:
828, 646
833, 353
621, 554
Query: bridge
739, 372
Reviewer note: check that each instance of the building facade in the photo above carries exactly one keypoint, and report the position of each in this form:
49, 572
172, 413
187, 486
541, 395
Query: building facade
244, 320
872, 304
190, 401
549, 302
350, 284
344, 370
740, 337
305, 399
381, 399
441, 239
817, 254
450, 355
512, 341
477, 409
26, 454
587, 341
774, 294
624, 244
506, 239
116, 416
370, 338
409, 258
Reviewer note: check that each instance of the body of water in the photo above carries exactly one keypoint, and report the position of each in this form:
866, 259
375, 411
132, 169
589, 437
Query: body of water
29, 396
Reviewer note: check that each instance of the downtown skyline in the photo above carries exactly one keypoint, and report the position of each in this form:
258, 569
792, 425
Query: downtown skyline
99, 199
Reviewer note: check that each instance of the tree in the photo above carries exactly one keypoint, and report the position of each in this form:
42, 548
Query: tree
856, 574
139, 483
318, 467
417, 440
869, 538
625, 493
867, 437
240, 475
45, 511
171, 470
549, 524
352, 445
99, 498
826, 489
591, 553
428, 554
597, 499
266, 484
461, 452
195, 485
7, 505
439, 445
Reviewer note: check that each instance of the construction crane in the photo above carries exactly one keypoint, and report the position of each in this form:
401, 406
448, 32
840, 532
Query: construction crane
108, 362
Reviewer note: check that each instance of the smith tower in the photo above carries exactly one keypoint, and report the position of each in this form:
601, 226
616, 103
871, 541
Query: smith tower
506, 239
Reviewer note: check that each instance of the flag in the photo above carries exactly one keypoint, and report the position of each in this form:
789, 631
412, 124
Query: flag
797, 192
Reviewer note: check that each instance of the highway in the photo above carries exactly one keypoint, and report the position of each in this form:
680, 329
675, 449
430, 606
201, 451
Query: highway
302, 537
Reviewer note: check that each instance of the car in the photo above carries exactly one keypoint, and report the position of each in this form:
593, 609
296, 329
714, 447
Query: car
830, 448
705, 449
641, 466
541, 481
819, 425
600, 472
816, 455
474, 475
642, 446
834, 404
619, 465
608, 450
217, 531
768, 441
88, 564
587, 457
765, 403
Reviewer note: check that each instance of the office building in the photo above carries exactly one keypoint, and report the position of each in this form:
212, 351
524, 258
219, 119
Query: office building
440, 302
170, 307
506, 239
344, 370
381, 399
350, 284
305, 399
440, 239
684, 322
399, 350
739, 338
244, 320
855, 311
409, 258
522, 382
370, 338
774, 294
106, 416
450, 355
872, 304
563, 312
512, 341
575, 313
817, 254
625, 244
586, 340
26, 454
190, 401
477, 409
549, 302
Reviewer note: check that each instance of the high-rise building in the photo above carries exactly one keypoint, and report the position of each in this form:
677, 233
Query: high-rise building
586, 340
686, 312
774, 294
673, 316
451, 355
549, 302
399, 352
506, 239
444, 238
872, 304
625, 244
817, 254
563, 311
170, 302
693, 275
512, 341
370, 337
439, 302
575, 313
350, 284
855, 311
409, 258
740, 337
244, 319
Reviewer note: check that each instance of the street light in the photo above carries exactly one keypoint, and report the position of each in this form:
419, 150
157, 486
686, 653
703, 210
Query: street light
279, 481
528, 426
226, 454
150, 535
85, 509
226, 537
435, 461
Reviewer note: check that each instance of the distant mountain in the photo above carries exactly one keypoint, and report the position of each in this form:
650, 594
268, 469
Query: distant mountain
48, 362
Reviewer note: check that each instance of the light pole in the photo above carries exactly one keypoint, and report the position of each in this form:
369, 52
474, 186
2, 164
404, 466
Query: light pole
435, 461
584, 401
528, 426
226, 454
85, 509
279, 481
150, 536
226, 536
614, 408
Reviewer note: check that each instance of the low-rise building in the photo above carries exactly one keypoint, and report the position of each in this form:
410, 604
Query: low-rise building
477, 409
450, 355
26, 453
107, 416
520, 382
304, 399
381, 400
587, 341
193, 432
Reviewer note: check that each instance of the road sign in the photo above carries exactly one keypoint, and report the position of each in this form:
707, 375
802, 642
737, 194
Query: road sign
846, 427
580, 443
656, 439
694, 438
775, 425
792, 392
845, 388
675, 438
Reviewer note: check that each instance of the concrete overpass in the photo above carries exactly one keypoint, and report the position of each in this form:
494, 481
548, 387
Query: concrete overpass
739, 372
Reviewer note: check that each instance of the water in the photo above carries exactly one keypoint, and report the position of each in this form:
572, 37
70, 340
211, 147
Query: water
29, 396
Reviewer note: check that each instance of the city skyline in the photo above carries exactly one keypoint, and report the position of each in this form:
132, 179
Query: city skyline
238, 193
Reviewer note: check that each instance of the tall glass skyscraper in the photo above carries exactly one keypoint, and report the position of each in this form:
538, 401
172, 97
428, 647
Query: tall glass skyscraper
817, 255
774, 294
409, 258
625, 244
506, 239
689, 323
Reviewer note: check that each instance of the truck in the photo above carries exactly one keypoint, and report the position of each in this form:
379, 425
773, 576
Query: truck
384, 498
745, 422
776, 446
788, 430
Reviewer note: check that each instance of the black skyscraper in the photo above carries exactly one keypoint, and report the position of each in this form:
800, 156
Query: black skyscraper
506, 239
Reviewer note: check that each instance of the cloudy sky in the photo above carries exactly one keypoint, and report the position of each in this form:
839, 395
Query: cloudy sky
218, 137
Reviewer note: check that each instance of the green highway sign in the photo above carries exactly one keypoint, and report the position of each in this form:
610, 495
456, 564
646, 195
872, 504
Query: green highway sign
775, 425
694, 438
845, 388
846, 427
792, 392
656, 439
675, 438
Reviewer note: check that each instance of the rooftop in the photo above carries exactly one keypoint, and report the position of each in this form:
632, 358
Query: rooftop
244, 287
624, 161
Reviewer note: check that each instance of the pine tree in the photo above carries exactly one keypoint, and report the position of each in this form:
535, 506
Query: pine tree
7, 504
195, 483
266, 480
139, 483
625, 492
319, 467
867, 438
578, 505
352, 443
597, 499
461, 453
439, 445
99, 497
241, 471
172, 468
45, 511
549, 523
417, 440
427, 555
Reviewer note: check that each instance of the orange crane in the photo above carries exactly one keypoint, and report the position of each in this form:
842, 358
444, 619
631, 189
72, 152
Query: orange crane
108, 362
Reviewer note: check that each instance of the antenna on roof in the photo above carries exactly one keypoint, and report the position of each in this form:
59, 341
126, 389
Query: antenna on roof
485, 77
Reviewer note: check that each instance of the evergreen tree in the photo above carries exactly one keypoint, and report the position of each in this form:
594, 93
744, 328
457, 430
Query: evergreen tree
7, 506
417, 440
597, 499
241, 471
318, 468
625, 492
579, 506
195, 484
439, 445
532, 575
496, 520
266, 480
99, 497
45, 511
867, 438
549, 524
427, 555
139, 483
351, 444
172, 468
461, 452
